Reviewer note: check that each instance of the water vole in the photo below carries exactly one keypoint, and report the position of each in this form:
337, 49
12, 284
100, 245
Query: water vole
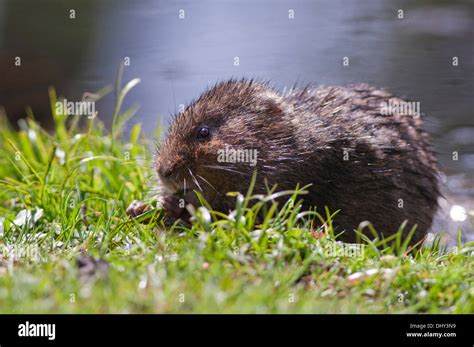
370, 165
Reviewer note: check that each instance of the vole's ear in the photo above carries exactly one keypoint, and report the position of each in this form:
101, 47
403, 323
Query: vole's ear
273, 108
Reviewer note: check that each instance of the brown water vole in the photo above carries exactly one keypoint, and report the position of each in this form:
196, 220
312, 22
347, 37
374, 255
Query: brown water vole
370, 165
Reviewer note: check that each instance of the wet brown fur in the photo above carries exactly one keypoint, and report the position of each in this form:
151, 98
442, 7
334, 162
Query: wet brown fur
301, 137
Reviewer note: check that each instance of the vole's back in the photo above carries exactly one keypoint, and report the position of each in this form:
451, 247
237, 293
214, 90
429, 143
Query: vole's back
369, 164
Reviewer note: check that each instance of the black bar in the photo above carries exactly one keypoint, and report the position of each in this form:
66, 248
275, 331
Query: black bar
317, 330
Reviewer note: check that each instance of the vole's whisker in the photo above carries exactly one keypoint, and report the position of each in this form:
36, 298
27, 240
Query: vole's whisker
206, 181
150, 192
225, 168
194, 179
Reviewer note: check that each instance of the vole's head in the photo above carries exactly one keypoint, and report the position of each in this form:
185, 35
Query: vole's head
216, 143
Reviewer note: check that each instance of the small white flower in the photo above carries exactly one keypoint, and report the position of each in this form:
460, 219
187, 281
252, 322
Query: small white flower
458, 213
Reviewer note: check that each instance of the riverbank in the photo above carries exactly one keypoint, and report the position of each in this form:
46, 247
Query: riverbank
67, 245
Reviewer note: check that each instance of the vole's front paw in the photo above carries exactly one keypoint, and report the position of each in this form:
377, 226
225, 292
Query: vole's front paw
174, 207
137, 208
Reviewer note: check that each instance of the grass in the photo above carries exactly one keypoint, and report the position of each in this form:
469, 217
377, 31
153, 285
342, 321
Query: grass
63, 196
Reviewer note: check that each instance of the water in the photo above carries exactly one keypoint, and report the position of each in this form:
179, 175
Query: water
177, 59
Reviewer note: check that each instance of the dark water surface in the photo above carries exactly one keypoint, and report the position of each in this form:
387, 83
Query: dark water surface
177, 59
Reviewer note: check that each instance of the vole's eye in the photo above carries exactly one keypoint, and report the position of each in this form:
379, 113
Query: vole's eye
203, 133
